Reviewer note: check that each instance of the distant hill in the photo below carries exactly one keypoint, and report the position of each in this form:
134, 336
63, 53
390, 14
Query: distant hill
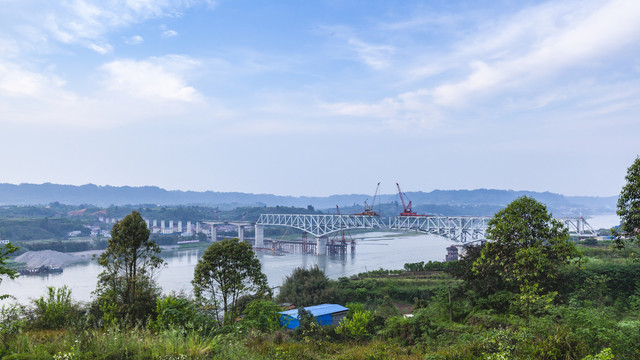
447, 202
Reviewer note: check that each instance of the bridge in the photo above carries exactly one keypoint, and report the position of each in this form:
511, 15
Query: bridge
461, 229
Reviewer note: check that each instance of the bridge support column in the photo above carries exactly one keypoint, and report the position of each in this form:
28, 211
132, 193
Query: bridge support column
259, 241
214, 233
241, 233
321, 245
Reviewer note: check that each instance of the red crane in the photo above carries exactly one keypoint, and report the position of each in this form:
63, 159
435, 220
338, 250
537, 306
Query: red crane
406, 208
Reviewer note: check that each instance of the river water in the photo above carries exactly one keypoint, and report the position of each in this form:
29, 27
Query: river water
374, 250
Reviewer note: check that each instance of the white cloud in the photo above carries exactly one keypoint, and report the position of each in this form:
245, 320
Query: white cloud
18, 82
510, 58
80, 22
134, 40
101, 49
155, 79
513, 63
169, 33
408, 111
376, 56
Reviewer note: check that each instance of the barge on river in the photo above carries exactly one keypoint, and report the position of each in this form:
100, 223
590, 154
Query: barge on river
44, 269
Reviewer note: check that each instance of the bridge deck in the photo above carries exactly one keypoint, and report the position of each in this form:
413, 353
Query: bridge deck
461, 229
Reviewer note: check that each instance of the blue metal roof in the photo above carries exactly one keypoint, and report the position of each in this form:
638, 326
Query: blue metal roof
317, 310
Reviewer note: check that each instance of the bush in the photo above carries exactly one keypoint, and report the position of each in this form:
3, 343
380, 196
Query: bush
55, 310
306, 287
177, 311
410, 330
262, 315
12, 321
356, 326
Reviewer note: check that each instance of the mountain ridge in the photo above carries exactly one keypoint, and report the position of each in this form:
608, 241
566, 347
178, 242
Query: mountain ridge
106, 195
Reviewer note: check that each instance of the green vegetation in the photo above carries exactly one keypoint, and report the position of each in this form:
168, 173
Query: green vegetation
629, 203
227, 270
593, 316
527, 294
126, 292
5, 251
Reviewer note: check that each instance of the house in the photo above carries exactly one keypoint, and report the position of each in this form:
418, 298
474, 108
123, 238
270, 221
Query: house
325, 314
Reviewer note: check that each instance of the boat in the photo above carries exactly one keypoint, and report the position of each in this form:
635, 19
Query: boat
44, 269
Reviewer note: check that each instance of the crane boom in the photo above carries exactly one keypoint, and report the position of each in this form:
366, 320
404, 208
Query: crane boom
406, 207
368, 209
373, 202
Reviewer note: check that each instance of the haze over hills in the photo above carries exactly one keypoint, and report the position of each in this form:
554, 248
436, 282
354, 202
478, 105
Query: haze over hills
446, 202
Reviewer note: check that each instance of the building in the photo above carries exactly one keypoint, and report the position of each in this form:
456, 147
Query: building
452, 253
325, 314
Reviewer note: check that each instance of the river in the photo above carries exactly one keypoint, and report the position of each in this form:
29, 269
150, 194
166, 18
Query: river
373, 251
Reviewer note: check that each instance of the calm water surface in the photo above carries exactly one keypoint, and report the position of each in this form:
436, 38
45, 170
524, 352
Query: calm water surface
373, 251
377, 250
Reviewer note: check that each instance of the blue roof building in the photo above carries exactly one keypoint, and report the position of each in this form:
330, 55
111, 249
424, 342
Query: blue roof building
325, 314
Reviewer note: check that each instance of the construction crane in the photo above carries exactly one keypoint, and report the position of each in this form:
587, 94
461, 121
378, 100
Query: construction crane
368, 209
275, 244
406, 208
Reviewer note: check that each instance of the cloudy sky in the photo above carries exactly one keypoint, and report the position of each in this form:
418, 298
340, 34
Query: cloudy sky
321, 97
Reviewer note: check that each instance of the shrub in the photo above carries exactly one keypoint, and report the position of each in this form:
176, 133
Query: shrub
411, 330
55, 310
262, 315
12, 321
174, 310
356, 326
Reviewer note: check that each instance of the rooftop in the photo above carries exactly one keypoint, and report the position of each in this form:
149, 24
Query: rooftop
317, 310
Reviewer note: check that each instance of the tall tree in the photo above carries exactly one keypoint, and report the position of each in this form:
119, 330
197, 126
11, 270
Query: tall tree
227, 270
629, 202
5, 251
527, 250
126, 288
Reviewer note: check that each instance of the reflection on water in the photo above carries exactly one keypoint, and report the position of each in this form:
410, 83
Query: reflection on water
378, 250
389, 252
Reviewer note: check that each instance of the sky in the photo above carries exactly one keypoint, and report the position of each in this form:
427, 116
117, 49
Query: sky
321, 97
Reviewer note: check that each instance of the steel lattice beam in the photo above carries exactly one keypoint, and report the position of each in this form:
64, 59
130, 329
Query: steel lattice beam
462, 229
321, 225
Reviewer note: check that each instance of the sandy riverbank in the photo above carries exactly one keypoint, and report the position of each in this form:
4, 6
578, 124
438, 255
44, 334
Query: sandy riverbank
34, 259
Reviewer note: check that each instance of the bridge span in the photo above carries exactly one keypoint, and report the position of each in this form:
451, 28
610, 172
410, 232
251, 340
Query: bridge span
461, 229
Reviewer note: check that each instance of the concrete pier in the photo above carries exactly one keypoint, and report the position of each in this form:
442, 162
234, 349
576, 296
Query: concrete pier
241, 233
214, 233
321, 245
259, 241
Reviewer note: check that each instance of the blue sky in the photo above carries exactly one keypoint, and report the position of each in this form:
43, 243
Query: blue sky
321, 97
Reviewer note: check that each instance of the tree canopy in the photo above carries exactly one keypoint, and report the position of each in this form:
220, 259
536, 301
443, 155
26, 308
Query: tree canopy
126, 289
5, 251
227, 270
305, 287
629, 202
528, 248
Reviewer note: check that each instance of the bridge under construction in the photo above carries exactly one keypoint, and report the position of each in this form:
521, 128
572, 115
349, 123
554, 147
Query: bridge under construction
460, 229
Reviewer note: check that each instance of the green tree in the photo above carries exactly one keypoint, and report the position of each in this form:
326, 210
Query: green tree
306, 287
5, 251
227, 270
629, 202
528, 250
126, 289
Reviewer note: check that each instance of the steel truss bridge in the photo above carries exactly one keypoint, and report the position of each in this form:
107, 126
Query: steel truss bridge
461, 229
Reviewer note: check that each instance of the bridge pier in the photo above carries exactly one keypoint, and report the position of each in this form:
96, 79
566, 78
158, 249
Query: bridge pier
321, 245
241, 233
259, 237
